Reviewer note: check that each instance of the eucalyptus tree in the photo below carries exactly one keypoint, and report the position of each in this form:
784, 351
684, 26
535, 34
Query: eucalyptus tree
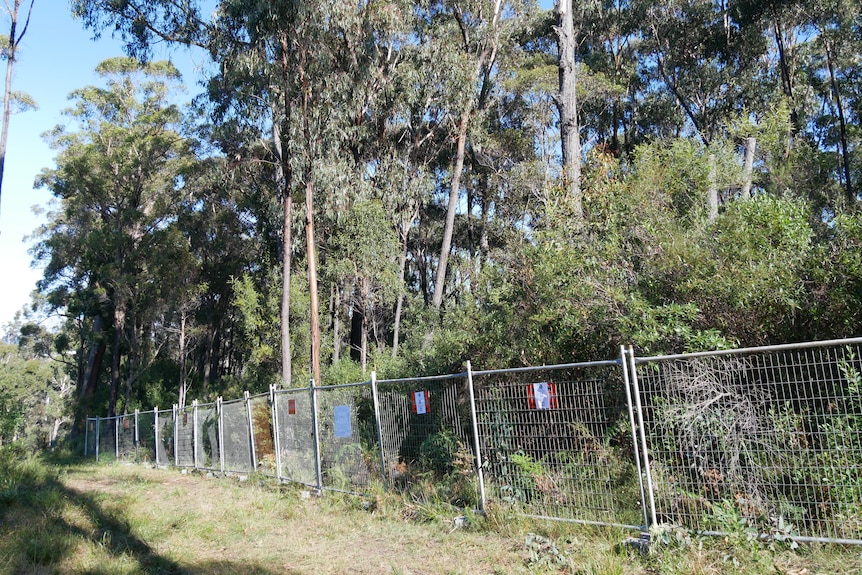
318, 65
833, 68
364, 249
118, 179
707, 59
10, 46
475, 31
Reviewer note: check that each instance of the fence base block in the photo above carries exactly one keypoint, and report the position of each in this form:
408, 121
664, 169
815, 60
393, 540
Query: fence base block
640, 544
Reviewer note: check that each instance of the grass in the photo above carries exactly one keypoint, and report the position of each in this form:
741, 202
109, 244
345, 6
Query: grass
123, 519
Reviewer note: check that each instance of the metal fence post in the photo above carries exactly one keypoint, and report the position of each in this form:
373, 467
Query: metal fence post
86, 435
475, 423
98, 435
645, 451
116, 437
176, 436
316, 433
379, 426
629, 403
195, 437
251, 432
156, 439
273, 405
220, 433
137, 439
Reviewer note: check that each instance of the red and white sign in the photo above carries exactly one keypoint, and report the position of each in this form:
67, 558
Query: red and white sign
419, 402
542, 395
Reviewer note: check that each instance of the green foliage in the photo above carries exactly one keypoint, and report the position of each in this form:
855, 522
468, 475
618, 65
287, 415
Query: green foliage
361, 106
544, 552
260, 314
34, 393
437, 451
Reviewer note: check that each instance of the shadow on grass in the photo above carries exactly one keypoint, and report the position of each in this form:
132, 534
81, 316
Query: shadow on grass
34, 532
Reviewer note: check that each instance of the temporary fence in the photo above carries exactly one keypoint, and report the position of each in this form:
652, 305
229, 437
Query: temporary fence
766, 438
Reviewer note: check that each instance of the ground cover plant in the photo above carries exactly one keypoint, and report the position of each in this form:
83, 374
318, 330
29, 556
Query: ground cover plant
74, 517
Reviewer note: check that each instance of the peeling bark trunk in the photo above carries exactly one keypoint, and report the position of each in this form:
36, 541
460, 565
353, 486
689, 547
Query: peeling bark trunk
283, 185
454, 194
567, 104
312, 276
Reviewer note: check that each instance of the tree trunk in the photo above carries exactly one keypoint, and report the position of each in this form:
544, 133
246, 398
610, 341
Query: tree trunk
312, 275
712, 192
454, 194
11, 54
364, 290
119, 320
283, 185
567, 104
7, 94
399, 304
134, 361
748, 167
182, 351
91, 375
335, 320
842, 127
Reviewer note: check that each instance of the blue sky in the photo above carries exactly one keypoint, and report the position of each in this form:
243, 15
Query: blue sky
57, 56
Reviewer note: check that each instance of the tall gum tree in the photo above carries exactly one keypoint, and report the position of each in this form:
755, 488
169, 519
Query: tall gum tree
116, 178
480, 29
10, 53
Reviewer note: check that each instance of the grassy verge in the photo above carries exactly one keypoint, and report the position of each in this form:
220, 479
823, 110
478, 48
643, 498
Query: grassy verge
106, 519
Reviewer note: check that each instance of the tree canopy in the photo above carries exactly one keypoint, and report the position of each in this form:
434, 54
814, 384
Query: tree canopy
479, 180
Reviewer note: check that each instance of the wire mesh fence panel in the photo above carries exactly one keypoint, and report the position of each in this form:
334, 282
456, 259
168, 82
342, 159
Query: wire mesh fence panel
264, 440
349, 448
91, 437
426, 432
558, 443
207, 444
296, 435
146, 436
236, 437
127, 449
769, 438
107, 438
185, 441
165, 441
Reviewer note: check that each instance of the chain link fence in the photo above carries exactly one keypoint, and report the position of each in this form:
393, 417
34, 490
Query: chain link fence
766, 438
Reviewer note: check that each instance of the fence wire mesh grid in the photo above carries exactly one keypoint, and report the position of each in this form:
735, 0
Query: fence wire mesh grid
771, 437
425, 430
295, 437
347, 437
236, 436
557, 443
